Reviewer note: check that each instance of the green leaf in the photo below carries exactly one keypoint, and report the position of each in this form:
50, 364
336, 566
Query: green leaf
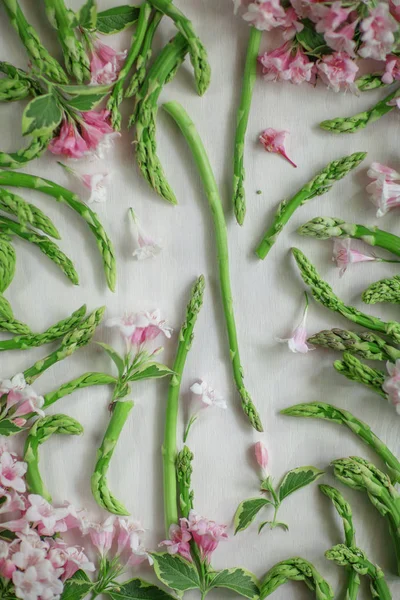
77, 587
312, 42
247, 512
116, 19
84, 103
87, 15
115, 357
84, 90
272, 525
175, 572
239, 580
296, 479
151, 370
8, 428
41, 116
137, 589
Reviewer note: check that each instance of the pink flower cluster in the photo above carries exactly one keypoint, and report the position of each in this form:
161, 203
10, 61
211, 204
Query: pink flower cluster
142, 327
18, 399
205, 533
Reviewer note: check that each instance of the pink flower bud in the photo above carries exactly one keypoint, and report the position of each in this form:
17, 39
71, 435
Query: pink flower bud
261, 453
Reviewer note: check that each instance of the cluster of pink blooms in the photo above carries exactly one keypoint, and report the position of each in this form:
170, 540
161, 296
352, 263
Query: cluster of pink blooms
142, 327
205, 533
392, 384
349, 32
18, 399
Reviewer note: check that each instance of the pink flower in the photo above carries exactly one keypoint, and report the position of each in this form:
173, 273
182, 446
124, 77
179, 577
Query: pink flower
392, 384
291, 24
102, 535
48, 519
392, 69
27, 584
342, 40
128, 534
338, 71
394, 7
274, 141
179, 538
329, 18
207, 534
344, 255
16, 526
207, 394
12, 472
13, 389
299, 69
156, 326
298, 341
76, 559
262, 457
145, 246
377, 36
105, 63
95, 126
384, 190
11, 501
28, 556
69, 141
264, 15
31, 403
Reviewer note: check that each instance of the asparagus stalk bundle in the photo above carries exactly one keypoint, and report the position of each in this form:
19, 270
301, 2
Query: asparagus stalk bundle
352, 368
320, 410
41, 431
366, 344
357, 560
27, 214
358, 474
195, 143
385, 290
324, 294
319, 185
7, 262
295, 569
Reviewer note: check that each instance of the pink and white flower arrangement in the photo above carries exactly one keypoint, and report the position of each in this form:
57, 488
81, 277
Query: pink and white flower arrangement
142, 327
298, 340
384, 190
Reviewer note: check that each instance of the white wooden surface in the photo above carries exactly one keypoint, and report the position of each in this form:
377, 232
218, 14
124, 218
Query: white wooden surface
268, 302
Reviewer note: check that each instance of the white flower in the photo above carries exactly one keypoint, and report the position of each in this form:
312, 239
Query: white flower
145, 246
27, 585
97, 184
207, 394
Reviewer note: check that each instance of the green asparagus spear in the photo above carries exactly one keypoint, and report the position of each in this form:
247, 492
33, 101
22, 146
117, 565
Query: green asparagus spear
385, 290
357, 560
197, 51
324, 294
8, 322
33, 340
361, 120
321, 184
359, 474
85, 380
169, 449
7, 262
41, 431
35, 49
65, 23
16, 160
184, 471
366, 344
195, 143
370, 81
27, 213
249, 79
45, 245
65, 196
355, 370
320, 410
13, 89
295, 569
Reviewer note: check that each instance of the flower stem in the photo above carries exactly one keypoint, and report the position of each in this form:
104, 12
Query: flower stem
249, 78
195, 143
188, 427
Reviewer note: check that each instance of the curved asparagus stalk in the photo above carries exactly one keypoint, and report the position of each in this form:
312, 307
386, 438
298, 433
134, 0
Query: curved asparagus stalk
320, 410
100, 489
362, 119
198, 53
324, 294
16, 160
7, 263
13, 89
295, 569
117, 94
45, 245
169, 449
8, 322
385, 290
33, 340
249, 79
85, 380
370, 81
365, 344
357, 560
358, 474
355, 370
41, 431
65, 196
324, 228
321, 184
27, 213
195, 143
344, 510
35, 49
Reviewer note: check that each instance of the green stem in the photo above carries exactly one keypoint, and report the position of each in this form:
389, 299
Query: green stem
193, 139
188, 428
84, 381
249, 78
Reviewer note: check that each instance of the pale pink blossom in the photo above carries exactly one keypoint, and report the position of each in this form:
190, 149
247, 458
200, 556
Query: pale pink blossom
28, 556
76, 559
384, 190
12, 472
19, 422
377, 33
27, 584
97, 184
291, 24
275, 62
32, 403
342, 40
11, 501
207, 395
102, 535
48, 519
7, 568
127, 534
344, 255
264, 15
338, 71
329, 18
131, 326
145, 246
207, 534
69, 141
13, 388
392, 384
392, 69
179, 540
261, 454
95, 125
156, 326
105, 63
16, 526
300, 69
274, 141
298, 341
394, 7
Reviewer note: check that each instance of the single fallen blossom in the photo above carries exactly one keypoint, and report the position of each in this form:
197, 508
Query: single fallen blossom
298, 341
274, 141
384, 190
338, 71
96, 183
262, 458
208, 396
138, 328
344, 255
105, 63
145, 246
391, 384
